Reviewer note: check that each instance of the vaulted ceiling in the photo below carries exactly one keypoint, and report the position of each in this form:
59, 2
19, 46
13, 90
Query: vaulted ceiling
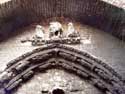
106, 16
15, 14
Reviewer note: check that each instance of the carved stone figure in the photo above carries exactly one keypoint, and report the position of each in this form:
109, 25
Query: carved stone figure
71, 32
39, 32
55, 29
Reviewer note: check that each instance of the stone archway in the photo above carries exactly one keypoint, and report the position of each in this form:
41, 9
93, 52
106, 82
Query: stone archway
50, 56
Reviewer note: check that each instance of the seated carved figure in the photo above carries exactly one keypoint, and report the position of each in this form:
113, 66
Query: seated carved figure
55, 29
39, 32
71, 32
55, 35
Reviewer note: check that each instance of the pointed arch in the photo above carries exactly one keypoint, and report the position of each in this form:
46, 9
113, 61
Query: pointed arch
79, 63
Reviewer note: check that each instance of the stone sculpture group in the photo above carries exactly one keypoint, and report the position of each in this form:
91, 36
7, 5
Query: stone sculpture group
56, 35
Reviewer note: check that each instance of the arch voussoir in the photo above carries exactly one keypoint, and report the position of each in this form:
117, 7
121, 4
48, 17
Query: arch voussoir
59, 56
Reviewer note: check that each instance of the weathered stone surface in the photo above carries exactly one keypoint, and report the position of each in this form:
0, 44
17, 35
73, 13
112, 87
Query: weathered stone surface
108, 15
13, 85
67, 56
103, 74
70, 83
85, 64
28, 75
85, 58
96, 72
40, 58
22, 65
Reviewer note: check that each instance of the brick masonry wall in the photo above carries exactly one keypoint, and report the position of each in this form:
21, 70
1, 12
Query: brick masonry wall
18, 13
